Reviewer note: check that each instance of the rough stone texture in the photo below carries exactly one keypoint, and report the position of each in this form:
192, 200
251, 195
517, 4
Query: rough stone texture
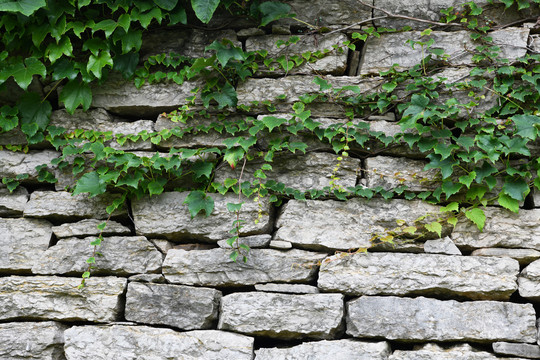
89, 227
335, 61
12, 204
148, 278
503, 228
215, 267
14, 163
279, 244
32, 340
183, 307
424, 319
254, 242
346, 349
57, 298
381, 53
425, 274
62, 205
407, 246
523, 350
165, 215
287, 288
391, 172
529, 281
441, 246
22, 243
284, 316
433, 351
303, 172
523, 256
122, 255
121, 342
328, 12
344, 225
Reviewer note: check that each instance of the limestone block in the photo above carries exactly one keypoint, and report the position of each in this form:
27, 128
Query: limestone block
346, 349
433, 351
32, 340
280, 245
61, 205
503, 228
302, 172
121, 255
422, 319
523, 256
423, 274
183, 307
215, 267
328, 12
88, 227
58, 298
283, 316
15, 163
381, 53
529, 281
148, 278
22, 243
390, 172
334, 62
122, 342
523, 350
441, 246
336, 225
254, 242
287, 288
166, 215
12, 204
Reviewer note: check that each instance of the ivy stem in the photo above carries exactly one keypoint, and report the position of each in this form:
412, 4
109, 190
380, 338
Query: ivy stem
52, 89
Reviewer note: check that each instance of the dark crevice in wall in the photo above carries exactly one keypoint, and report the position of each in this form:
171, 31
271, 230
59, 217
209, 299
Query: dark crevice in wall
129, 222
229, 290
263, 342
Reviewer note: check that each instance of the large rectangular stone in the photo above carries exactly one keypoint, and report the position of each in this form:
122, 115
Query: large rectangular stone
15, 163
283, 316
13, 203
422, 274
422, 319
434, 351
58, 298
215, 267
32, 340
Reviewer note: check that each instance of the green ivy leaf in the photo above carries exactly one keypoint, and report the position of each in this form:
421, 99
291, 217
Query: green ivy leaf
232, 207
323, 84
108, 26
508, 203
202, 168
34, 112
198, 201
25, 7
166, 4
271, 122
178, 16
76, 93
435, 227
204, 9
273, 10
516, 188
527, 125
97, 63
450, 188
477, 216
55, 50
63, 69
226, 52
155, 187
23, 73
90, 183
467, 179
131, 40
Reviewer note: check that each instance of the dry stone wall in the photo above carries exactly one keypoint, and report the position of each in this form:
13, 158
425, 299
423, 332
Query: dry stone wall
165, 286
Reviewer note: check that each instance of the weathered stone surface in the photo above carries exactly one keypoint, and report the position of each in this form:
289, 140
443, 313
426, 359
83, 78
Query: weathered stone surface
149, 278
303, 172
12, 204
165, 215
22, 243
425, 274
407, 246
523, 350
390, 172
254, 242
32, 340
57, 298
121, 342
529, 281
183, 307
346, 349
441, 246
344, 225
215, 268
15, 163
89, 227
381, 53
335, 61
122, 255
503, 228
523, 256
61, 205
280, 244
284, 316
424, 319
433, 351
287, 288
328, 12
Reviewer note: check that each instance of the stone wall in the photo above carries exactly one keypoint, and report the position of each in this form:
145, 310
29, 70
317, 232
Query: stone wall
165, 287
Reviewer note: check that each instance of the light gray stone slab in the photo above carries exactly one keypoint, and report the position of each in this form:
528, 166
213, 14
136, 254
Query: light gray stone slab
381, 53
422, 319
287, 288
149, 278
166, 215
61, 205
345, 349
23, 243
15, 163
523, 350
32, 340
336, 225
280, 245
215, 267
407, 246
12, 204
328, 12
121, 256
433, 351
89, 227
58, 298
523, 256
283, 316
441, 246
503, 228
122, 342
254, 242
183, 307
529, 281
422, 274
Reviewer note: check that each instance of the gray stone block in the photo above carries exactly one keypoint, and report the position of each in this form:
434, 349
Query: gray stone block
12, 204
441, 246
328, 12
32, 340
523, 350
433, 351
254, 242
15, 163
529, 281
89, 227
287, 288
523, 256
